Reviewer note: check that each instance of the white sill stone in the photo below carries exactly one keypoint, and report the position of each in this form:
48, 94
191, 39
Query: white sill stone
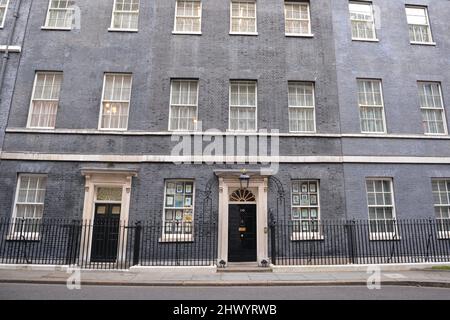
365, 40
293, 35
55, 28
122, 30
187, 33
423, 43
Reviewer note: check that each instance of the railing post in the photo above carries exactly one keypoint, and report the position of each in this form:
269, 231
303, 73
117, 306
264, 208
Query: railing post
350, 226
273, 247
137, 243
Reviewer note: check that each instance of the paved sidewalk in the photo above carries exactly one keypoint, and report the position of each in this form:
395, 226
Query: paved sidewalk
426, 278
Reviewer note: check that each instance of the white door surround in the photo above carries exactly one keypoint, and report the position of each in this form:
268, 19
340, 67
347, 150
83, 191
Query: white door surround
95, 178
258, 185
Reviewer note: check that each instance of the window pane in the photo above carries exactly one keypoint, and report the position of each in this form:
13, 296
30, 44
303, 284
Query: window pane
116, 101
362, 21
419, 28
126, 14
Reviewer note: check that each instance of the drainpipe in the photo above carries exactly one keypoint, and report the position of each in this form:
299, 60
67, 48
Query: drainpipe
8, 43
6, 58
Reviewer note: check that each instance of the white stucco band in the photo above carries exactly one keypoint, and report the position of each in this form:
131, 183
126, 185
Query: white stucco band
29, 156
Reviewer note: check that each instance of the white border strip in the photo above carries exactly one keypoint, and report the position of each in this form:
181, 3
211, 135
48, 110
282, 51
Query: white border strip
227, 133
10, 48
219, 159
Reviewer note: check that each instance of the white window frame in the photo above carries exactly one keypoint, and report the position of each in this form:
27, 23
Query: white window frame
441, 234
382, 107
382, 235
255, 33
430, 32
444, 118
374, 29
100, 120
175, 31
112, 28
230, 106
308, 235
178, 237
313, 107
6, 6
185, 105
30, 109
47, 18
309, 34
12, 233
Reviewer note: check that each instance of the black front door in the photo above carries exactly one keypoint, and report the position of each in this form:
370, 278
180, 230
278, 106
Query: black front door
105, 233
242, 232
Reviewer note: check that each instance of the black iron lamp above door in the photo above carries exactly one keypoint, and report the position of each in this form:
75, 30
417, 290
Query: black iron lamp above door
244, 180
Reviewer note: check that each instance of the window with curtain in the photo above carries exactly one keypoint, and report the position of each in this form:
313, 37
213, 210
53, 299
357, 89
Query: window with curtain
298, 21
125, 15
243, 16
432, 107
188, 16
419, 25
45, 100
243, 105
116, 101
183, 105
371, 106
362, 21
380, 200
441, 196
60, 14
301, 107
28, 206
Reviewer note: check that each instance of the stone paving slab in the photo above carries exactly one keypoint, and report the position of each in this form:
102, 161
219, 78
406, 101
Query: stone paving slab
226, 279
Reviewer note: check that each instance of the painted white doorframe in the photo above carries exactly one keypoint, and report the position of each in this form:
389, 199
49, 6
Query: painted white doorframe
95, 178
259, 186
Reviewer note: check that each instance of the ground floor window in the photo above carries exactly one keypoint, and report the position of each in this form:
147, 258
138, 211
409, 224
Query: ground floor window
441, 196
178, 207
305, 207
29, 206
380, 200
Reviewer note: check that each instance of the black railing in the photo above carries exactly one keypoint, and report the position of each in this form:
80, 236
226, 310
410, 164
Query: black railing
114, 244
107, 244
360, 242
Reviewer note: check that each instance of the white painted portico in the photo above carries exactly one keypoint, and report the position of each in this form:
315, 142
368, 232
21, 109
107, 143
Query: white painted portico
229, 182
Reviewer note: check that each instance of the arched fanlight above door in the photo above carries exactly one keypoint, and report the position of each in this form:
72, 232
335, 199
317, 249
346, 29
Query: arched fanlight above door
242, 195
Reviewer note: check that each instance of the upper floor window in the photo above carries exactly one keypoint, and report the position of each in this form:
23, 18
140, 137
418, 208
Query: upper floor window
60, 14
371, 107
188, 16
419, 25
243, 105
301, 107
243, 16
28, 206
179, 196
298, 20
3, 9
432, 107
305, 209
183, 105
45, 100
115, 101
362, 20
441, 196
380, 200
125, 15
